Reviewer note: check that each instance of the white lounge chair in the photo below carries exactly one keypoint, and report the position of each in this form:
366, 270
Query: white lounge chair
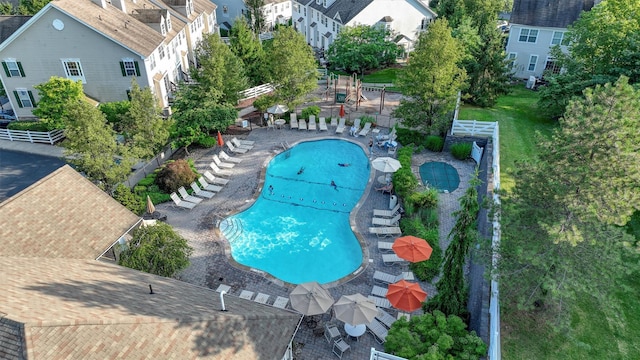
356, 124
181, 203
244, 142
341, 126
240, 145
386, 221
186, 197
380, 301
385, 231
312, 122
281, 302
246, 294
390, 135
227, 158
209, 187
201, 193
293, 121
222, 164
385, 246
387, 213
385, 318
261, 298
215, 180
235, 149
334, 122
302, 124
217, 171
365, 130
322, 124
385, 278
378, 331
379, 291
392, 259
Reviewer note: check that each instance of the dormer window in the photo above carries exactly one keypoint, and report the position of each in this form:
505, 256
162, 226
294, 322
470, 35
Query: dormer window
324, 3
168, 22
190, 2
188, 7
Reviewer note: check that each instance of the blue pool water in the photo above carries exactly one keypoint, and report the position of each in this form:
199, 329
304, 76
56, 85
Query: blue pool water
300, 231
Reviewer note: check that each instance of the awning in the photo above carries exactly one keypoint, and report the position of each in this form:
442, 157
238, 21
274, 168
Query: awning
328, 34
91, 100
301, 19
313, 24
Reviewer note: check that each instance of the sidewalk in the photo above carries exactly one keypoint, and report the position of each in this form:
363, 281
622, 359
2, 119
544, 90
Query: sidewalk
26, 147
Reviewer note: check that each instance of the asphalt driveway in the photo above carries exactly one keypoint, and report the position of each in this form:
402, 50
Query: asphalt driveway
18, 170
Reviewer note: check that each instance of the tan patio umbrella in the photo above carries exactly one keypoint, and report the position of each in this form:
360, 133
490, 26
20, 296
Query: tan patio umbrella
150, 207
355, 309
311, 298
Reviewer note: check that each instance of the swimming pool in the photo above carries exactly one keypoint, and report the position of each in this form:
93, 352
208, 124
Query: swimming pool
298, 228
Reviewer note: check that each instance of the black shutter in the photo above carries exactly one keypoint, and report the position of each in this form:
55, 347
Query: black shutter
6, 69
15, 93
135, 63
129, 95
124, 72
33, 101
20, 68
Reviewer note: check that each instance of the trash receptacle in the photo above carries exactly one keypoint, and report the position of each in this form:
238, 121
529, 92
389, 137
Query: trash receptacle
393, 201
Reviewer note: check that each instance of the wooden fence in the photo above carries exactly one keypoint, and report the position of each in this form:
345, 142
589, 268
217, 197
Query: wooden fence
50, 137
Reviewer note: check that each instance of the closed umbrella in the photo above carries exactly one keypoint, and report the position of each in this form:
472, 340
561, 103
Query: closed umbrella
406, 296
341, 111
220, 141
150, 207
355, 309
310, 298
386, 164
412, 248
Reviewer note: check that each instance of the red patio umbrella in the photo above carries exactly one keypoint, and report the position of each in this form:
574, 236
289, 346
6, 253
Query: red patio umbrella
412, 248
220, 141
341, 111
406, 296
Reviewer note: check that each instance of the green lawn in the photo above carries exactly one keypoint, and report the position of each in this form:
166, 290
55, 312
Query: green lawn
384, 76
596, 336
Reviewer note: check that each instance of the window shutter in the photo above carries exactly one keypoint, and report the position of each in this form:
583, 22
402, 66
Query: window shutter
33, 101
6, 69
20, 68
129, 95
15, 93
124, 73
135, 63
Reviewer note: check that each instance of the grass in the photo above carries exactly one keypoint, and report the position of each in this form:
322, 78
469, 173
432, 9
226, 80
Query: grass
384, 76
524, 336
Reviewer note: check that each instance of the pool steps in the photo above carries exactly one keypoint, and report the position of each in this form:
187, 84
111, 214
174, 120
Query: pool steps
231, 228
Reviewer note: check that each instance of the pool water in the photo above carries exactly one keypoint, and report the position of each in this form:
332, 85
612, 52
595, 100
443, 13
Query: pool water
299, 231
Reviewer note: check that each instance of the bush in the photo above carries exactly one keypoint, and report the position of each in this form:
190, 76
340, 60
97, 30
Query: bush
424, 270
129, 200
367, 119
148, 180
434, 143
311, 110
115, 111
207, 142
28, 125
461, 151
419, 200
404, 182
174, 175
407, 136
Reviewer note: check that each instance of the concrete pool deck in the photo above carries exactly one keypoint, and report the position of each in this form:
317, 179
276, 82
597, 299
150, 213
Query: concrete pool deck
210, 265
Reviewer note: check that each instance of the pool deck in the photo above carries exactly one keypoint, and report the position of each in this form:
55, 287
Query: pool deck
210, 261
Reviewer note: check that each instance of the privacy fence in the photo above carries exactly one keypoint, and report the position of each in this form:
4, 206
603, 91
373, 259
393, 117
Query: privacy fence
41, 137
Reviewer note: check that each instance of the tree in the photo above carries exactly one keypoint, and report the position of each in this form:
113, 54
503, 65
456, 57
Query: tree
247, 47
31, 7
255, 16
293, 66
434, 336
156, 250
452, 289
55, 96
604, 43
146, 132
432, 80
363, 47
91, 146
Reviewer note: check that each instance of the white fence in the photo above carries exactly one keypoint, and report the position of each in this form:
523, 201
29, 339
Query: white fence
50, 137
473, 128
256, 91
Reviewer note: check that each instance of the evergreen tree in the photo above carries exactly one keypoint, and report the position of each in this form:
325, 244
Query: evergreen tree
247, 47
255, 16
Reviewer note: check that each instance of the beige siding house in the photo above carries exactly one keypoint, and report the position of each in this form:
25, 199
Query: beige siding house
104, 44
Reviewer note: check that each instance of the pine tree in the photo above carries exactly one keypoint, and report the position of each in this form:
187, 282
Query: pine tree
246, 46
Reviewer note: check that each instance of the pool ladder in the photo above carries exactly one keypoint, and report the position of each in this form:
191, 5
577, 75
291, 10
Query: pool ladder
231, 228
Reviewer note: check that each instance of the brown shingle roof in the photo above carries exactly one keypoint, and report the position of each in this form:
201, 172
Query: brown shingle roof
62, 216
88, 309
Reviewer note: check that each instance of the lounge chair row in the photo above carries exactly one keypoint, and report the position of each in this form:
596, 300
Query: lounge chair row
239, 146
200, 192
279, 302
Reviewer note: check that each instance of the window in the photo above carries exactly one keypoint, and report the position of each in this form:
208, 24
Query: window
168, 22
533, 59
188, 8
163, 28
424, 23
225, 10
511, 58
558, 38
191, 6
24, 98
129, 67
334, 26
12, 68
305, 11
528, 35
73, 69
152, 61
161, 51
551, 66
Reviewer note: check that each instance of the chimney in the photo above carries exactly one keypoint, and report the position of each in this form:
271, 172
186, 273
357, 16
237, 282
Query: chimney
119, 4
101, 3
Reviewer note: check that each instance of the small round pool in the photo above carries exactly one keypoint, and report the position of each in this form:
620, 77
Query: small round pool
298, 229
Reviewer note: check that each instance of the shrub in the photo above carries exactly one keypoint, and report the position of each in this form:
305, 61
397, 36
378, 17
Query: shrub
264, 102
424, 270
419, 200
207, 142
128, 199
28, 125
148, 180
115, 111
174, 175
407, 136
403, 180
461, 151
434, 143
311, 110
367, 119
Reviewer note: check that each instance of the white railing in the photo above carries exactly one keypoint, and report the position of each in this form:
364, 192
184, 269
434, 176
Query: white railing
380, 355
473, 128
256, 91
50, 137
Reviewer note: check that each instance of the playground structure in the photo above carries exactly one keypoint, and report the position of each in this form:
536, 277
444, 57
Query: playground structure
344, 89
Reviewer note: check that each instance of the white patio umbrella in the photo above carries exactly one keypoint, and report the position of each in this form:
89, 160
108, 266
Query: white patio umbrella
311, 298
355, 309
386, 164
278, 109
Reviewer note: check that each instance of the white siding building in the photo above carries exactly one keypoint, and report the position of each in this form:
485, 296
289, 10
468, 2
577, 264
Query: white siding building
320, 21
274, 12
